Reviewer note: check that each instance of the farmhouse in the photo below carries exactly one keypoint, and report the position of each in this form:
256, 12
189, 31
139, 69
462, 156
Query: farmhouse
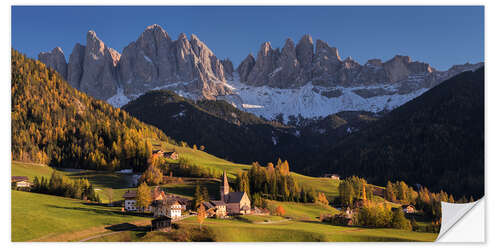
130, 198
20, 182
161, 223
157, 152
409, 209
215, 209
260, 211
130, 202
171, 155
236, 202
171, 208
332, 176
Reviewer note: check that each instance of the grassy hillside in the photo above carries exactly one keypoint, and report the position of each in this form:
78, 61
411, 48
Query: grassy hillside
32, 169
44, 217
246, 231
303, 211
325, 185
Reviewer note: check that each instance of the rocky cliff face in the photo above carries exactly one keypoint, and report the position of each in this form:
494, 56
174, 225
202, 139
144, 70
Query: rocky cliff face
306, 78
294, 66
154, 60
56, 60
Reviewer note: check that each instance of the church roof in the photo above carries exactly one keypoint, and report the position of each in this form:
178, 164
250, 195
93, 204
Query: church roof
235, 197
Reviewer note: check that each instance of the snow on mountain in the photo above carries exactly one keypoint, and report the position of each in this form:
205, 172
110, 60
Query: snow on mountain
119, 99
309, 102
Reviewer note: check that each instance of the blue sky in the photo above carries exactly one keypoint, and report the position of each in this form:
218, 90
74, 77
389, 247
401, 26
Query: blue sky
441, 36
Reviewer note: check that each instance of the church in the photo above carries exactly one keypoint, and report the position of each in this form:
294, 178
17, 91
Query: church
236, 202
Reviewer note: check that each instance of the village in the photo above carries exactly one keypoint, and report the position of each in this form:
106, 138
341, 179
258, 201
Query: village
167, 208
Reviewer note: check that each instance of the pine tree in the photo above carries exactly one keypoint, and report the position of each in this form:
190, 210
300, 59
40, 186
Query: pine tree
205, 194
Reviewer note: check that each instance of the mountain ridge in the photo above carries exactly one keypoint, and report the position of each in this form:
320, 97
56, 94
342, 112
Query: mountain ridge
188, 67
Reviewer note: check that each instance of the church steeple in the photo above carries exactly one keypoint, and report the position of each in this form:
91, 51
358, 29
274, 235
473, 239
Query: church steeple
224, 188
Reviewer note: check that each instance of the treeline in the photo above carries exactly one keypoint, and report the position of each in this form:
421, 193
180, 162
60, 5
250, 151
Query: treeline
424, 200
61, 185
273, 182
381, 215
352, 189
55, 124
159, 167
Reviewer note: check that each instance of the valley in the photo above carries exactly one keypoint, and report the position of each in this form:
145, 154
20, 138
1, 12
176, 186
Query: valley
164, 141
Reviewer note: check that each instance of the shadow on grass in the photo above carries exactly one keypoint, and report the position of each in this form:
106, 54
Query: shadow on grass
129, 227
100, 211
105, 179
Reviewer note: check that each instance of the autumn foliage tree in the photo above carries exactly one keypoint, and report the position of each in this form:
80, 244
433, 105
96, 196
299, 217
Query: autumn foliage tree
53, 123
143, 196
322, 199
279, 211
153, 175
202, 214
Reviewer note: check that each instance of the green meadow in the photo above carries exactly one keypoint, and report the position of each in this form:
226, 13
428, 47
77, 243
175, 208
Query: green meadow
43, 217
55, 218
231, 230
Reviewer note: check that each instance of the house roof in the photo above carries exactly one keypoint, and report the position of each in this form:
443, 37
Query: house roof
218, 203
406, 206
130, 194
235, 197
208, 205
19, 178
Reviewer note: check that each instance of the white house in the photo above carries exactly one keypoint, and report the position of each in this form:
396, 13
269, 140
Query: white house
130, 203
130, 197
167, 207
174, 209
20, 182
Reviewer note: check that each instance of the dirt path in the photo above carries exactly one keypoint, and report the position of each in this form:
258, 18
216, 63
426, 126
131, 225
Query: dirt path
86, 233
132, 227
99, 236
271, 222
352, 230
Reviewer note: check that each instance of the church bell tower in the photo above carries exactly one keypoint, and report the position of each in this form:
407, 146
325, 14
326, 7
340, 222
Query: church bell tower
224, 188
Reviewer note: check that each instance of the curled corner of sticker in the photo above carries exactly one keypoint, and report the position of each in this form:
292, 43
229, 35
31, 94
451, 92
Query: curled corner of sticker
451, 213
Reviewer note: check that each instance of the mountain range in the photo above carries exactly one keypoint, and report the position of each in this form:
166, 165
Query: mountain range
306, 79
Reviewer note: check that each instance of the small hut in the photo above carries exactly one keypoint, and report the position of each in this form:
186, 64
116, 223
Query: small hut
161, 223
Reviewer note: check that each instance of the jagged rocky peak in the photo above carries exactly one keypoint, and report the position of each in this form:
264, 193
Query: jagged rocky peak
295, 66
374, 62
325, 52
246, 67
75, 65
265, 64
400, 67
305, 52
228, 68
99, 68
56, 60
155, 60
